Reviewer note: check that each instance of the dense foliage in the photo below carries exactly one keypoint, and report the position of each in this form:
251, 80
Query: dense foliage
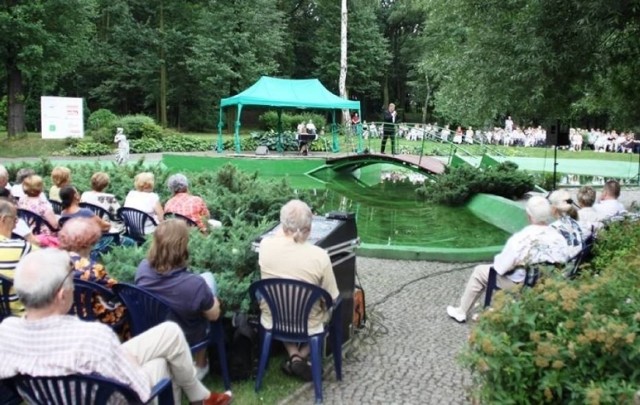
566, 341
244, 204
290, 122
460, 184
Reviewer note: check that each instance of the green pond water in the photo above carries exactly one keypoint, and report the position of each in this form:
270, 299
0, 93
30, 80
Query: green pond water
388, 213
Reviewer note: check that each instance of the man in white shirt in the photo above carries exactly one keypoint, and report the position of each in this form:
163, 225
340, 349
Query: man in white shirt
48, 342
609, 205
536, 243
508, 124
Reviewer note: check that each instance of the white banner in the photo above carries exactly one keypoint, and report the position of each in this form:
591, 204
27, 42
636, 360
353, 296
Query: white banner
62, 117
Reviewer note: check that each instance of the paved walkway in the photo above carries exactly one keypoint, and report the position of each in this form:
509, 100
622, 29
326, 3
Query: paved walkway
408, 355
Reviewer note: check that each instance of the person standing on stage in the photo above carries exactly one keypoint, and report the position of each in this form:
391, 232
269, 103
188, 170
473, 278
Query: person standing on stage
389, 128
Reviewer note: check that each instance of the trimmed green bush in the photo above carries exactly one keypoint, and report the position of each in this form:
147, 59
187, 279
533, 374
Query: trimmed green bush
101, 118
269, 120
459, 184
565, 341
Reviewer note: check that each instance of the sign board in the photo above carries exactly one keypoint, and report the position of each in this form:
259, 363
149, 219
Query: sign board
61, 117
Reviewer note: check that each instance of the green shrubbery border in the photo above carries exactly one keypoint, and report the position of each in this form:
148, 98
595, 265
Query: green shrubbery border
565, 341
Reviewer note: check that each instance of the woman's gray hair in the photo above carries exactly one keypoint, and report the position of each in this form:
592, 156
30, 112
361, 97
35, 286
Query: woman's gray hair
296, 218
23, 174
178, 183
539, 210
40, 275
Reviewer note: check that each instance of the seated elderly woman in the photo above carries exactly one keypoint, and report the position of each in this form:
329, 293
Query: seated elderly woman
4, 179
97, 196
78, 237
16, 190
535, 243
33, 200
165, 273
144, 199
60, 177
287, 255
588, 217
563, 210
183, 203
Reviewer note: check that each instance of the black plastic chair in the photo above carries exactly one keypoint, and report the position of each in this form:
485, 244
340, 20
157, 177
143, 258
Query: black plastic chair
290, 302
186, 219
99, 211
134, 222
16, 236
533, 274
85, 389
147, 310
84, 295
35, 221
5, 297
57, 206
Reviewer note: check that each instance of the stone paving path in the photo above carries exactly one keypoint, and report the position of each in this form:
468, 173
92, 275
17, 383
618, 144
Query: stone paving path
410, 354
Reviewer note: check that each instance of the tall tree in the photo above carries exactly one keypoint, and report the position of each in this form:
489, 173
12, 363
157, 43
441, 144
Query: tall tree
40, 40
342, 81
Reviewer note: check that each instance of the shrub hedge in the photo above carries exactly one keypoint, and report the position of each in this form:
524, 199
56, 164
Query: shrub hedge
459, 184
245, 204
269, 120
565, 341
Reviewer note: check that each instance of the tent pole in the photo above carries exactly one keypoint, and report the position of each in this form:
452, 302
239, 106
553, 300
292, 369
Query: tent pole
220, 147
280, 146
237, 130
335, 147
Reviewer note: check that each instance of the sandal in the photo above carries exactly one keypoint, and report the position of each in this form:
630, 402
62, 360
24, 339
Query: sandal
286, 367
300, 368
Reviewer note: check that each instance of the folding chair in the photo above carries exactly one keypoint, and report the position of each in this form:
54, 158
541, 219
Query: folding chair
147, 310
290, 302
84, 389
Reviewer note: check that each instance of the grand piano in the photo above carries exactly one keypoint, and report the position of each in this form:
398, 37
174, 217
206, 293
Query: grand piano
336, 232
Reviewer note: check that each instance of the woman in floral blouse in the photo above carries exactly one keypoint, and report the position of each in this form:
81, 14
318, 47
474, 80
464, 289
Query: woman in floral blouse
78, 236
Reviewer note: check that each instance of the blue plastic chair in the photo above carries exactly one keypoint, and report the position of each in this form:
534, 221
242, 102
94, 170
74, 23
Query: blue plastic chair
134, 222
35, 221
83, 298
290, 302
186, 219
5, 297
57, 206
84, 389
147, 310
99, 211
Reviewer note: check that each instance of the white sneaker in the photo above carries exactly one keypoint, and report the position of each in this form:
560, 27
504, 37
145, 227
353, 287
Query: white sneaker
201, 372
457, 314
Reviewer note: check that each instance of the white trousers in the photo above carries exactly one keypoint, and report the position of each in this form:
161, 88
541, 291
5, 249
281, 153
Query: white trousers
163, 352
477, 284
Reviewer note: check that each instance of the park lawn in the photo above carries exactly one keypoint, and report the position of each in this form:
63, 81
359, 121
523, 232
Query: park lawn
32, 145
29, 145
276, 386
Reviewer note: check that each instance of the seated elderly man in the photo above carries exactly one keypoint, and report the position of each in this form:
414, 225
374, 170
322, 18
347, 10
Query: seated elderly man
609, 205
47, 341
190, 206
4, 179
535, 243
11, 250
288, 255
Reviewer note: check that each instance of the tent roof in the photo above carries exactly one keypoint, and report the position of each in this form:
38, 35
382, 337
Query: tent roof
294, 93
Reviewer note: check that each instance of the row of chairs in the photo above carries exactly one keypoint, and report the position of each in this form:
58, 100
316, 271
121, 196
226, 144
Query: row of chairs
290, 303
134, 220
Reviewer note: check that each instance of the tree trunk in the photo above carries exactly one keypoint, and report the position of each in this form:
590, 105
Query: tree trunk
342, 84
163, 72
426, 100
16, 107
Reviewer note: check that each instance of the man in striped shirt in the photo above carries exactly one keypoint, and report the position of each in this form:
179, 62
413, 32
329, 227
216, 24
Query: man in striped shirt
11, 250
48, 342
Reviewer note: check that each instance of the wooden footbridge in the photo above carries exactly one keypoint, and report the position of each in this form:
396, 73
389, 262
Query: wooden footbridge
421, 164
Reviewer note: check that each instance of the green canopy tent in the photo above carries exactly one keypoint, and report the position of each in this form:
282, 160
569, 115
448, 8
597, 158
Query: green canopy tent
287, 93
